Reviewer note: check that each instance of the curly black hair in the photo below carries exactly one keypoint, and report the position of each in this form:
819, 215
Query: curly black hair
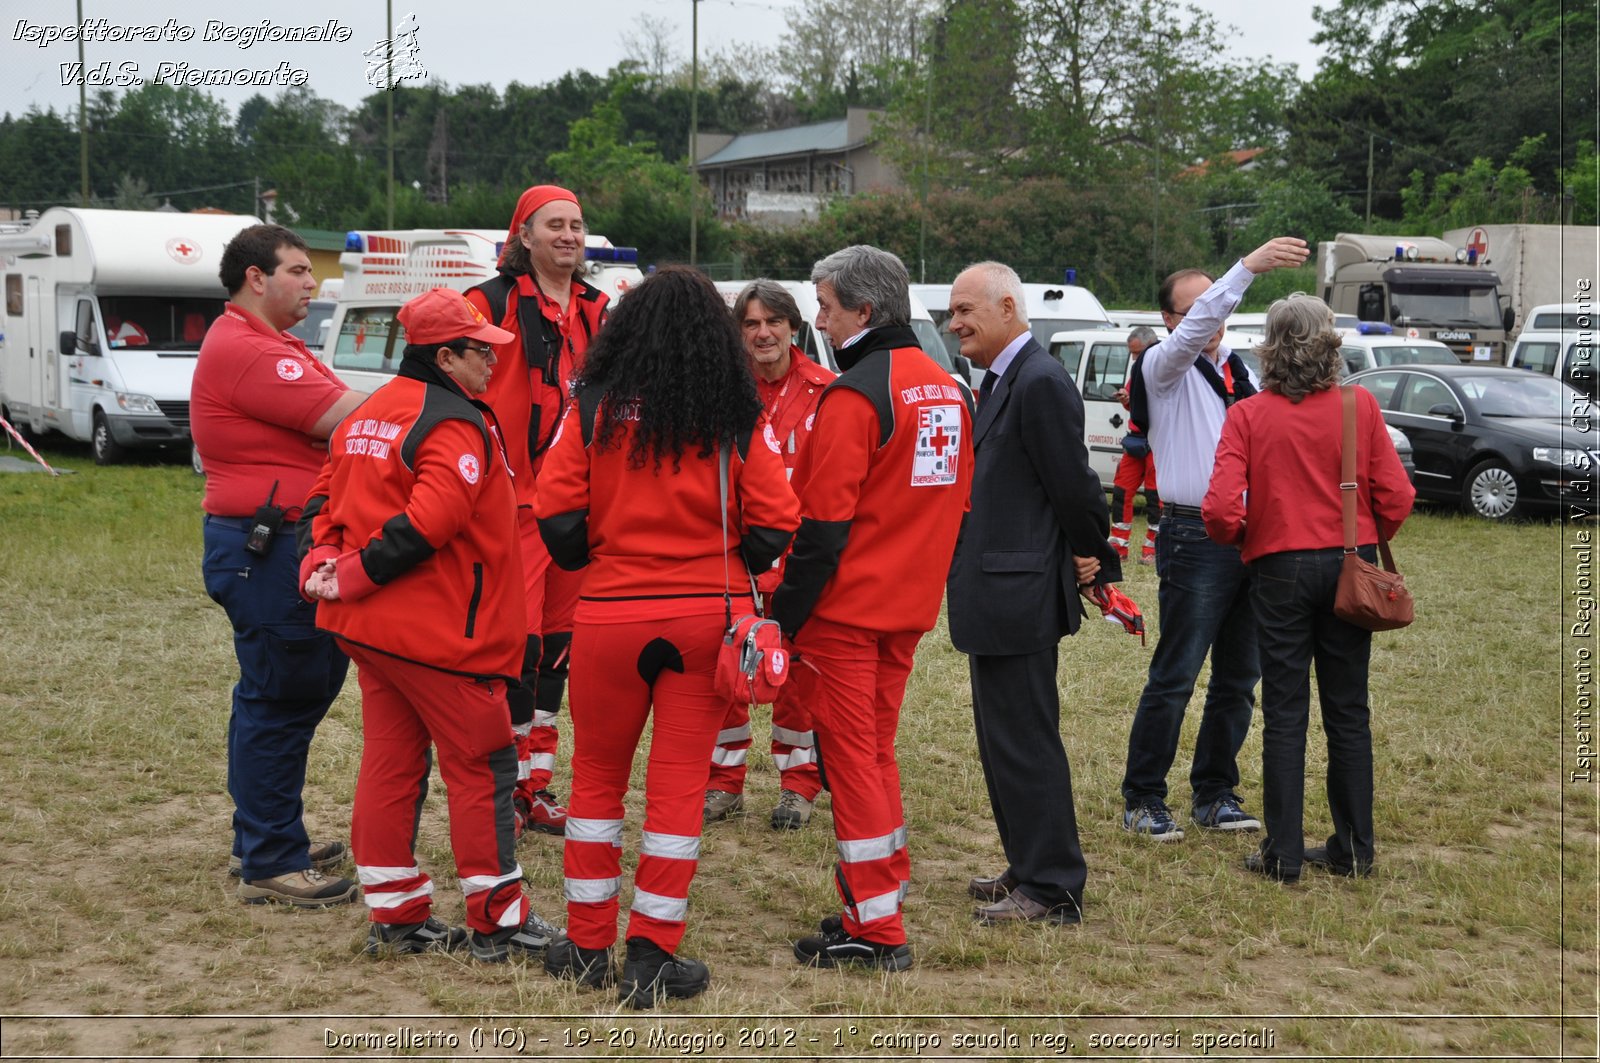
671, 365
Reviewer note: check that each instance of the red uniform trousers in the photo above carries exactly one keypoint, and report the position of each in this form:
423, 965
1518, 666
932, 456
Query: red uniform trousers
611, 700
1131, 473
793, 743
858, 685
560, 600
405, 707
524, 706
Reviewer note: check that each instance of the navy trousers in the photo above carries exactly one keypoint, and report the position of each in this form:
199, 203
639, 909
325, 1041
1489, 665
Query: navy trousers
289, 673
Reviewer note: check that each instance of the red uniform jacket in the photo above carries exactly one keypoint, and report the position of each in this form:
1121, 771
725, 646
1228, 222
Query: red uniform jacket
652, 537
791, 405
549, 349
883, 483
416, 506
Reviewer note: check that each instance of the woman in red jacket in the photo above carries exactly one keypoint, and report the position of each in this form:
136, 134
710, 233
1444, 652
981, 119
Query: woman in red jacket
630, 489
412, 552
1275, 491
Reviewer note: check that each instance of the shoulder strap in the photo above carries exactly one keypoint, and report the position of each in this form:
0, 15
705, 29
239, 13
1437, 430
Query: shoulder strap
588, 406
1348, 484
1138, 400
495, 292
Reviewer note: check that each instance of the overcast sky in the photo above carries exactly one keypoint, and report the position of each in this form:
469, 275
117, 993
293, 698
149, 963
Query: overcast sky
459, 41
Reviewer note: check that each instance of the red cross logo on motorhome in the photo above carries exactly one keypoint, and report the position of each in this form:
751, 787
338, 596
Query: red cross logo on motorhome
184, 252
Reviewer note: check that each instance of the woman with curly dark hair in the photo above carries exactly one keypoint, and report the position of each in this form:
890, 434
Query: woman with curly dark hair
1275, 490
630, 489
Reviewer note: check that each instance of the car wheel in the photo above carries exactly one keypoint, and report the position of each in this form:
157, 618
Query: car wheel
1491, 492
194, 460
107, 451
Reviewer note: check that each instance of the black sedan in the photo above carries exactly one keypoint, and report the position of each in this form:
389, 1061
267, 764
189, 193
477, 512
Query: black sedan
1498, 441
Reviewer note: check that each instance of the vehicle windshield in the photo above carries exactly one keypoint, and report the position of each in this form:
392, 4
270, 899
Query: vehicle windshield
1463, 307
313, 331
1420, 355
1524, 396
158, 322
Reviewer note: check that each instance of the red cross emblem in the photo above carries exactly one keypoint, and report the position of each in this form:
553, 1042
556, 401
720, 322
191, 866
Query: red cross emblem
184, 252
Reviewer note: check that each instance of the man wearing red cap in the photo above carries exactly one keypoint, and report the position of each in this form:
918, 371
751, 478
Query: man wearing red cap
410, 548
552, 314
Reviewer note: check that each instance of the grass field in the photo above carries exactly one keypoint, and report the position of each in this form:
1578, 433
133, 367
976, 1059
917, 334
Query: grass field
120, 936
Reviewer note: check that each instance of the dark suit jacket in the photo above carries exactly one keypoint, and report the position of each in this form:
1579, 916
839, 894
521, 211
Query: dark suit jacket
1035, 503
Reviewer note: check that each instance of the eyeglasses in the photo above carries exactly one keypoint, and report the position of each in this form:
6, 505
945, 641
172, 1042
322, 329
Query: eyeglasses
485, 351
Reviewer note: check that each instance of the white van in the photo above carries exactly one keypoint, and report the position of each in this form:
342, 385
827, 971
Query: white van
1051, 308
103, 317
815, 344
1558, 340
383, 269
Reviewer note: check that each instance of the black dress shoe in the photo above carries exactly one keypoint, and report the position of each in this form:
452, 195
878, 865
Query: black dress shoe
990, 890
1317, 856
1257, 862
1021, 908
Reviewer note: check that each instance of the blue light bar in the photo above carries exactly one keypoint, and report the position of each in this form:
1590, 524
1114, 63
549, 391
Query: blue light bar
1374, 328
1071, 276
352, 241
611, 254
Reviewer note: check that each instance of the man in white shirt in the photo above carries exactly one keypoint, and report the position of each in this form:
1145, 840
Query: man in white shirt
1190, 380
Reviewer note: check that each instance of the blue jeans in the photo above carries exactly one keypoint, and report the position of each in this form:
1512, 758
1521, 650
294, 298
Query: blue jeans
1204, 607
1293, 593
289, 673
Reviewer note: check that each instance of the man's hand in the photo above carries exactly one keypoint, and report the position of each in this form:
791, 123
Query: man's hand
1086, 567
1285, 252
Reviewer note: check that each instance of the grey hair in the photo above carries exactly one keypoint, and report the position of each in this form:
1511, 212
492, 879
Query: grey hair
773, 296
1300, 353
1145, 335
863, 275
999, 281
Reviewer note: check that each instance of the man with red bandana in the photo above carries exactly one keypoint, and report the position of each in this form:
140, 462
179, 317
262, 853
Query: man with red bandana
790, 386
541, 298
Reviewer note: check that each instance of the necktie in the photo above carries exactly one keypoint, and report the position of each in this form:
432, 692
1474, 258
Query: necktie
986, 389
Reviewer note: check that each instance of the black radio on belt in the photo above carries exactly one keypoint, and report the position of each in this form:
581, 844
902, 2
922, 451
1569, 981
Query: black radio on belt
268, 519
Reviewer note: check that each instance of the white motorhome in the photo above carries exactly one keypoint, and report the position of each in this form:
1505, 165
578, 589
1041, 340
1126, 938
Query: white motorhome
103, 317
383, 269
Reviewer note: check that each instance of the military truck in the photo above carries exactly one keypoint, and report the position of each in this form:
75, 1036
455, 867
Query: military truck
1423, 286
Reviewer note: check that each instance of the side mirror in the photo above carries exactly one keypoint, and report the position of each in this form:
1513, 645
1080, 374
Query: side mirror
1508, 318
1446, 409
69, 344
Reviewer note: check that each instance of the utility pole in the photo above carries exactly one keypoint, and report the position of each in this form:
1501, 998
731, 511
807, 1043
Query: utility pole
1370, 139
694, 133
388, 51
927, 133
83, 118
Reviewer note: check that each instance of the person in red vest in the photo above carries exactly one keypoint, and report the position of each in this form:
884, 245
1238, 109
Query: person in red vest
553, 314
790, 386
412, 555
883, 483
631, 494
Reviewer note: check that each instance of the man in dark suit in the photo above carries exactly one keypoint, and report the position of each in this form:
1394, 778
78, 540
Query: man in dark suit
1036, 530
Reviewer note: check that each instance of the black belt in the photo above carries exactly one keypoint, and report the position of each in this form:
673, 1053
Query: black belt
1172, 509
245, 524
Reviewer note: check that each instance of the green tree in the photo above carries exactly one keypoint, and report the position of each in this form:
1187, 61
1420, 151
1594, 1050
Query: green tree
1581, 182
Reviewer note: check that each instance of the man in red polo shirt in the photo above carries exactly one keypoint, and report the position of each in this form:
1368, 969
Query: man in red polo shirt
790, 386
261, 410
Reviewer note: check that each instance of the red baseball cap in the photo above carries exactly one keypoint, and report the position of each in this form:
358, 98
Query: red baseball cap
442, 315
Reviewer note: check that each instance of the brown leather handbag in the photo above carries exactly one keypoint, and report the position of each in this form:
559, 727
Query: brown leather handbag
1370, 597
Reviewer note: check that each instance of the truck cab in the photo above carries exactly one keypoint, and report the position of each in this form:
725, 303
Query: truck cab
1421, 286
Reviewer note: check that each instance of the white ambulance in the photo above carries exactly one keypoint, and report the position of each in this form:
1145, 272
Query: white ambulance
103, 317
384, 269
